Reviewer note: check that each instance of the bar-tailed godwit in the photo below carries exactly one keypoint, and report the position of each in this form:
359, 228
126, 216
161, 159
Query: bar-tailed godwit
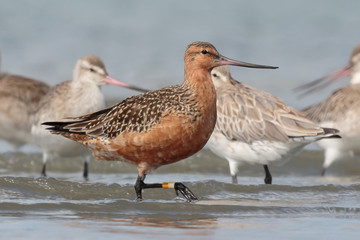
82, 95
340, 110
158, 127
19, 98
256, 127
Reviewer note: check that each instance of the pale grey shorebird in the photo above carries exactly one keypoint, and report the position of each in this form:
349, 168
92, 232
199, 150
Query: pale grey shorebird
341, 110
158, 127
256, 127
81, 95
19, 99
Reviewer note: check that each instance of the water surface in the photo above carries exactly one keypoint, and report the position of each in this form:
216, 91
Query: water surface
299, 204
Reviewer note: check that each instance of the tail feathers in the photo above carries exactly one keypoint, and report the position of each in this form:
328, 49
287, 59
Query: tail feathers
331, 133
60, 127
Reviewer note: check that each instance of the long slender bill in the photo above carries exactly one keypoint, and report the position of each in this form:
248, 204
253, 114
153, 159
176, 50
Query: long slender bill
324, 81
110, 80
228, 61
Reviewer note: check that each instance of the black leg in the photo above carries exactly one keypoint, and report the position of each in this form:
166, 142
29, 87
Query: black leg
323, 171
268, 178
234, 179
179, 187
86, 170
43, 171
139, 186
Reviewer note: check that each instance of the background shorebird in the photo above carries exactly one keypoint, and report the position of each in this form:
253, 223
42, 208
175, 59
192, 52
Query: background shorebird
158, 127
19, 99
82, 95
255, 127
340, 110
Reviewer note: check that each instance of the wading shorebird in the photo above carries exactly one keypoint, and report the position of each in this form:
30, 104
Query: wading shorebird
82, 95
341, 110
19, 99
158, 127
256, 127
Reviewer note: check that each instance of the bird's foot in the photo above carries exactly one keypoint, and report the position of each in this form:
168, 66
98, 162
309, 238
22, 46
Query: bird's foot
185, 191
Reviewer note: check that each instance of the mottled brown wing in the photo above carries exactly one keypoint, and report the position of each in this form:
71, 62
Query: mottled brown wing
25, 89
138, 113
335, 107
249, 114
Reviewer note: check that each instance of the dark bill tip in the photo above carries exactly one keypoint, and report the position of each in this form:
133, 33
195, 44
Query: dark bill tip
228, 61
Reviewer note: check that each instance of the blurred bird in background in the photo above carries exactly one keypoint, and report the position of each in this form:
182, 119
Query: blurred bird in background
340, 110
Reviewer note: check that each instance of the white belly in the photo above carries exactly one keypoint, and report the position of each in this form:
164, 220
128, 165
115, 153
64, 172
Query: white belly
259, 152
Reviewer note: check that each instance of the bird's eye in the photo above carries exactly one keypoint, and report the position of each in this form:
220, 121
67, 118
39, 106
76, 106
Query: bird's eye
214, 75
204, 52
92, 70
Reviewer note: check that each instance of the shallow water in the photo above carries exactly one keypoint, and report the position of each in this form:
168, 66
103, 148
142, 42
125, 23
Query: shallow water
300, 204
